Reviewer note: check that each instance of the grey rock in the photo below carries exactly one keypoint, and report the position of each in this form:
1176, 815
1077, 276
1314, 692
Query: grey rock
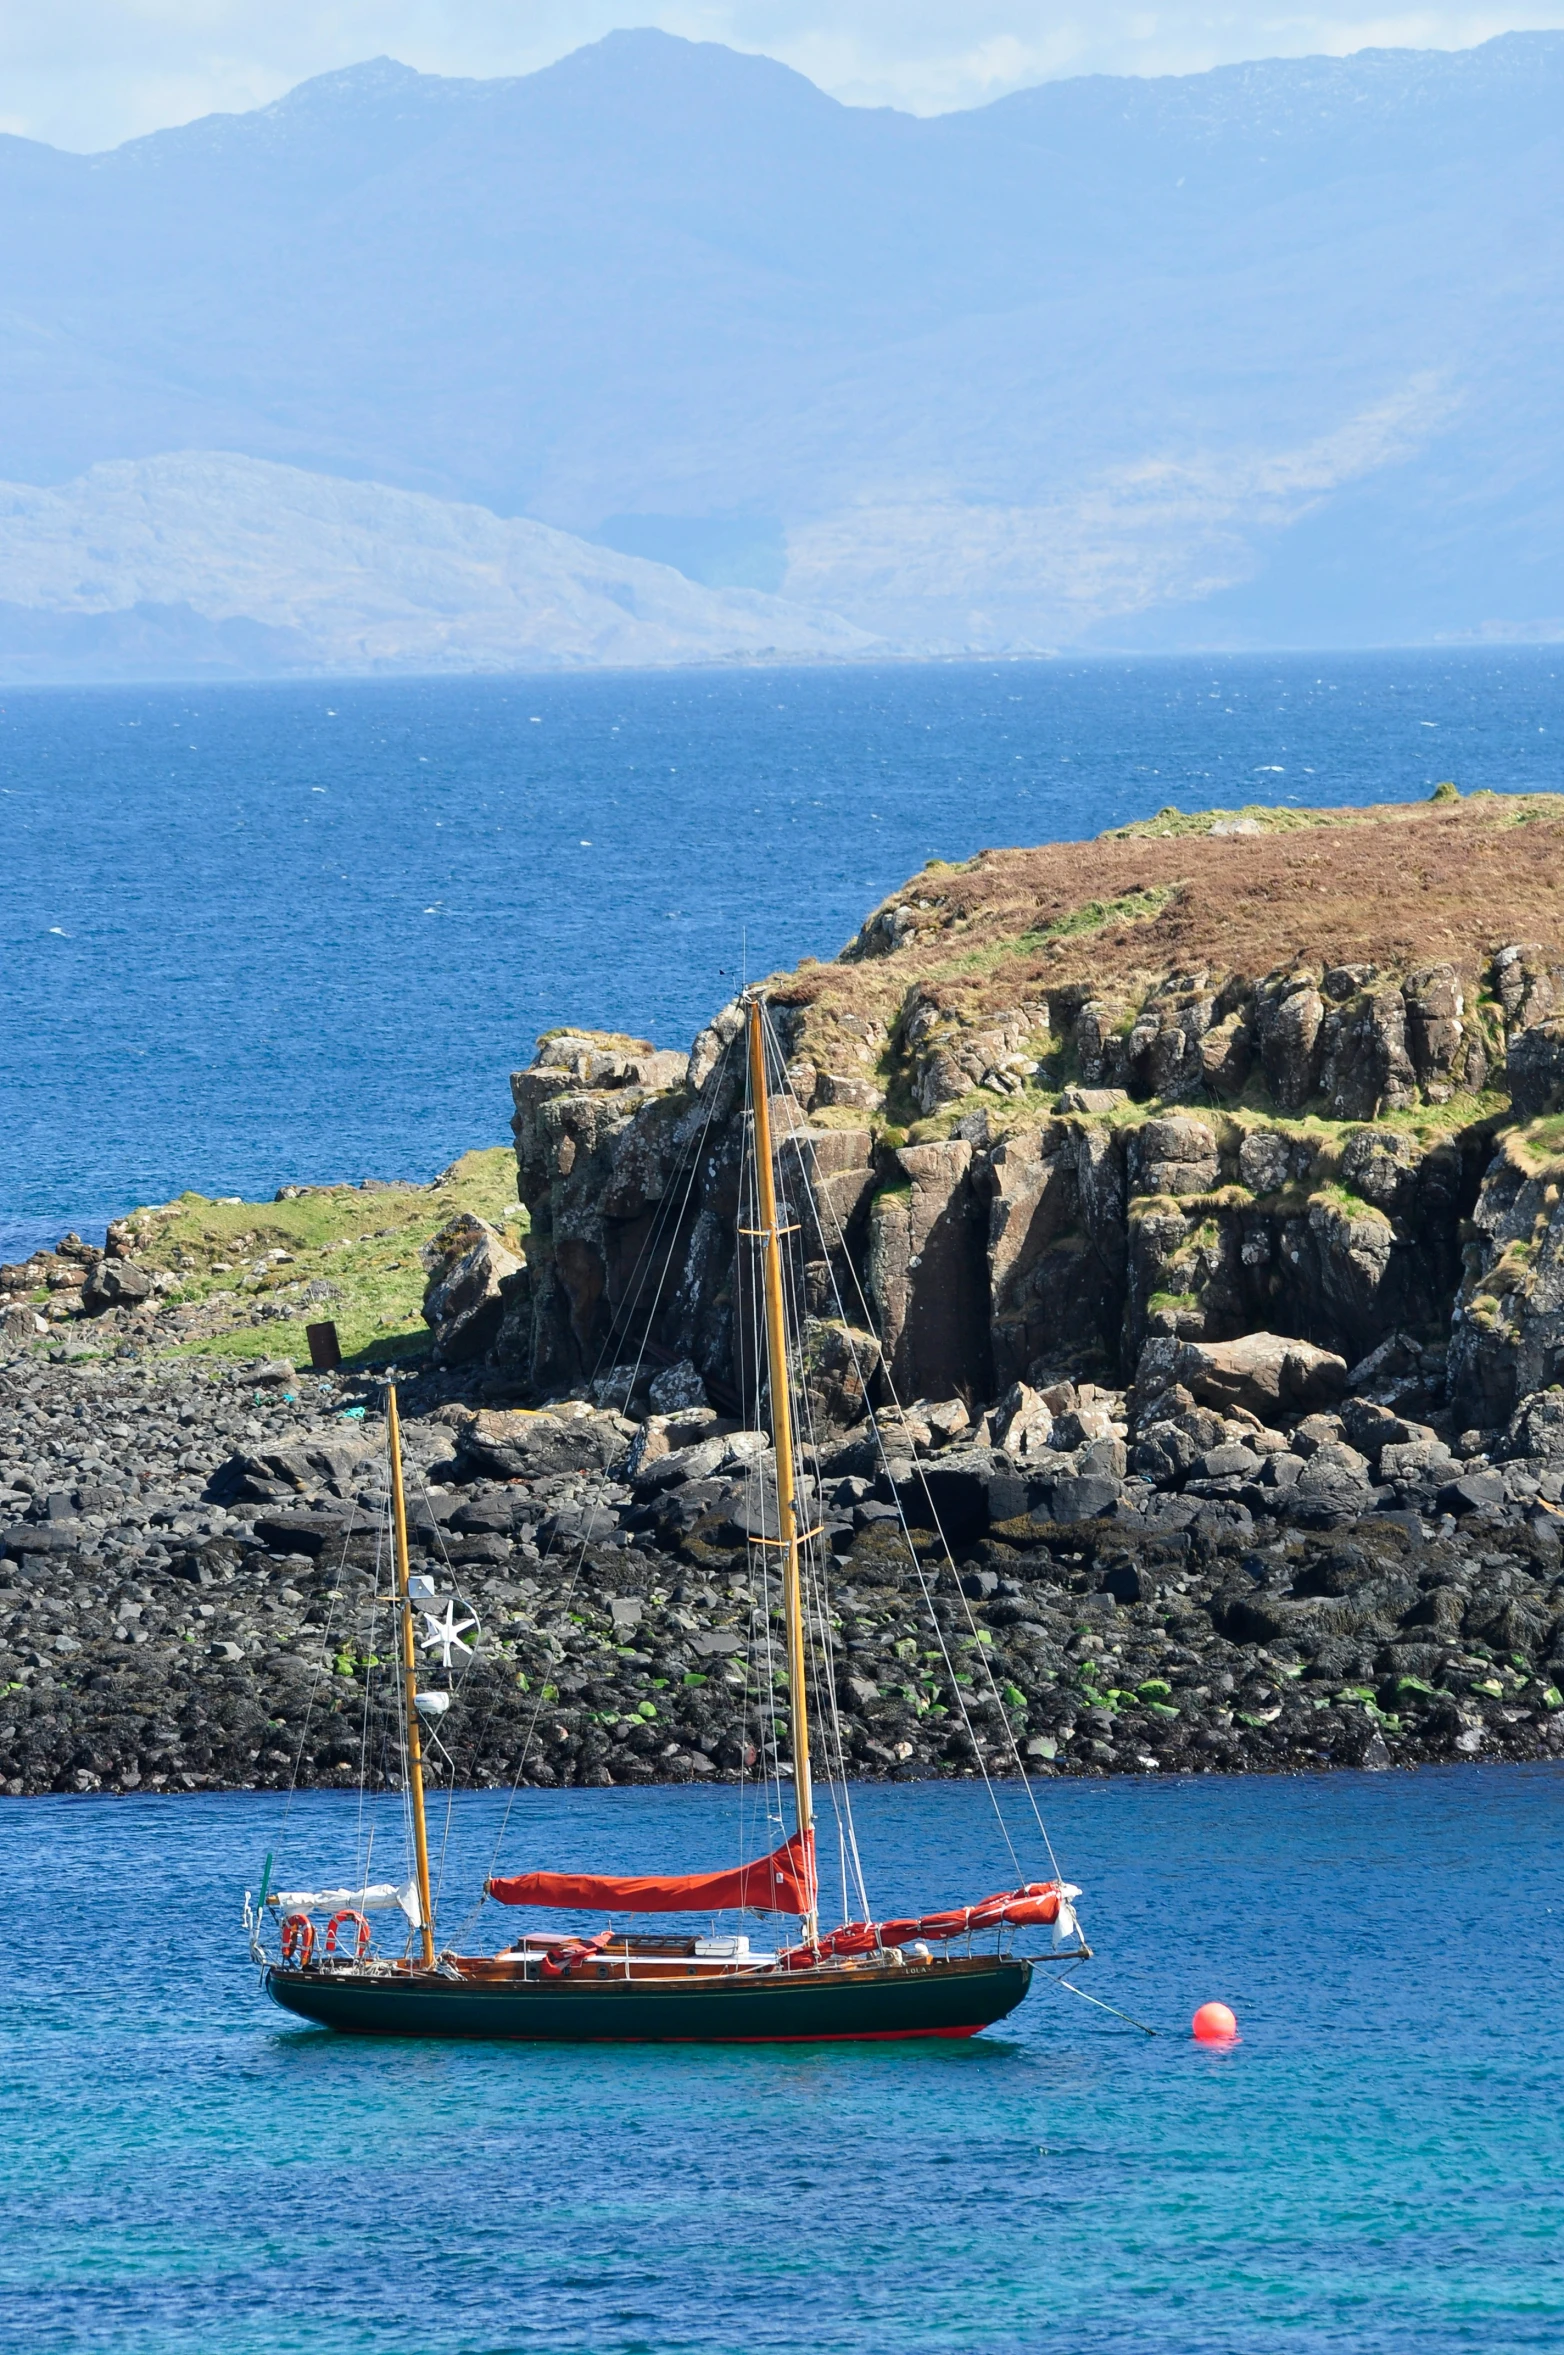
1173, 1156
1471, 1492
1084, 1498
115, 1283
1266, 1373
677, 1387
1534, 1069
1077, 1099
468, 1264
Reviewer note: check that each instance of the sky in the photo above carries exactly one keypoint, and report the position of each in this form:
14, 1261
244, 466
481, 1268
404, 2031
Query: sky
86, 74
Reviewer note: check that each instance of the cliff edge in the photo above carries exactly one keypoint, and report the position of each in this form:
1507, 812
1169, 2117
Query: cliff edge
1201, 1077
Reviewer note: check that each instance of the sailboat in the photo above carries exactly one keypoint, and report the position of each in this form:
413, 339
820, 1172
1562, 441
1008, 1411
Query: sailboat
917, 1977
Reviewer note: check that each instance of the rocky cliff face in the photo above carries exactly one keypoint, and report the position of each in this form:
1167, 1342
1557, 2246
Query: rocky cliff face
1193, 1080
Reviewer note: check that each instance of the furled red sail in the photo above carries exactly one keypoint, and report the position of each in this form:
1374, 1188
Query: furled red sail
1023, 1908
782, 1882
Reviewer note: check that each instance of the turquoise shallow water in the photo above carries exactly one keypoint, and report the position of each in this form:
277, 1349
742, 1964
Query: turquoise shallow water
1377, 2166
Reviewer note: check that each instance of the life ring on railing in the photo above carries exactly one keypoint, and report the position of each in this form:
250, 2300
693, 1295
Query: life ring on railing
298, 1938
349, 1913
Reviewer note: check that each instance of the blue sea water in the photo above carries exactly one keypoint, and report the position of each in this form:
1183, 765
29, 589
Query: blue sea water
1375, 2168
251, 935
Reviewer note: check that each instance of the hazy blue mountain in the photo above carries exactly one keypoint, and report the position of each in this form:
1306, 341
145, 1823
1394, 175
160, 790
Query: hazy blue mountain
206, 562
1271, 354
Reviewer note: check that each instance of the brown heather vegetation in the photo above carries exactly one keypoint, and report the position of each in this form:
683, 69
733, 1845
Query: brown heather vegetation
1397, 885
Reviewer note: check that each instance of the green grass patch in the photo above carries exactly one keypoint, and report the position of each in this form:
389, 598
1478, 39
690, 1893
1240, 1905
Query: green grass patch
1170, 824
364, 1243
1335, 1196
1093, 915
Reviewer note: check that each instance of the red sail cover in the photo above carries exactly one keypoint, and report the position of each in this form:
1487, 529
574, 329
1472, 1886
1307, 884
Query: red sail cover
780, 1883
1023, 1908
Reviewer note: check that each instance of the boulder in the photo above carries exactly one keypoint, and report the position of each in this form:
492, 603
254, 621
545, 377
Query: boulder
963, 1491
1265, 1373
1022, 1424
1085, 1497
677, 1387
1537, 1426
466, 1263
1471, 1492
1174, 1156
115, 1283
1288, 1014
1393, 1375
839, 1366
1076, 1099
516, 1445
1266, 1160
1534, 1067
1507, 1332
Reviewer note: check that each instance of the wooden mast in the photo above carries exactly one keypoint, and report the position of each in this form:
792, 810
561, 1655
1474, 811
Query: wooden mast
415, 1752
782, 1439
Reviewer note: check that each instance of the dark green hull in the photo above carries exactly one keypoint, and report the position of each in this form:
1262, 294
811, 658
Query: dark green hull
950, 1998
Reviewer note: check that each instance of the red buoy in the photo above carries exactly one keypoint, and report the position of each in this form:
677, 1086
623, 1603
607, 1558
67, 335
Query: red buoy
1215, 2024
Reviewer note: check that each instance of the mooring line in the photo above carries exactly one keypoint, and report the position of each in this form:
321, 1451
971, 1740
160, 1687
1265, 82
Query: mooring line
1105, 2007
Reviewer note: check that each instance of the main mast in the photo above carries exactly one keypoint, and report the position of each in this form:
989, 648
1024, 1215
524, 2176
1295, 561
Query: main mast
415, 1751
782, 1439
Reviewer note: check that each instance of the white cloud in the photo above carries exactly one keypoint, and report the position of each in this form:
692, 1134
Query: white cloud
88, 73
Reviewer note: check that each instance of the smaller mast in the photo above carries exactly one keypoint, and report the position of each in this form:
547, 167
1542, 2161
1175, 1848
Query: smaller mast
782, 1439
415, 1753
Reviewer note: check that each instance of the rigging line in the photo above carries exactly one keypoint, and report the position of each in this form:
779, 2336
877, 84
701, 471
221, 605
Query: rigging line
748, 1671
398, 1713
624, 1320
817, 1564
755, 1481
649, 1259
817, 1591
334, 1596
1025, 1779
841, 1752
575, 1575
758, 1630
918, 1566
830, 1723
813, 1587
458, 1682
364, 1722
1070, 1985
928, 1599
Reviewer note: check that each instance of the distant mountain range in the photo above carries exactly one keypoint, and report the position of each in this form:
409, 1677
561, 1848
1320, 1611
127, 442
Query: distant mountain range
211, 563
1266, 356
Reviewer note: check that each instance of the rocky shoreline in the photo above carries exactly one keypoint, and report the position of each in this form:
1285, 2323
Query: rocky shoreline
1222, 1285
190, 1557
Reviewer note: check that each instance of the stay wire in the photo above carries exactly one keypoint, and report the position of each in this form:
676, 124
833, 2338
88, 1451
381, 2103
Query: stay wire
333, 1598
814, 1584
713, 1091
978, 1647
755, 1482
815, 1569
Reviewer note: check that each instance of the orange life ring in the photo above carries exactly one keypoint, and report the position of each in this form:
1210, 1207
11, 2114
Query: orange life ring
349, 1913
298, 1937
